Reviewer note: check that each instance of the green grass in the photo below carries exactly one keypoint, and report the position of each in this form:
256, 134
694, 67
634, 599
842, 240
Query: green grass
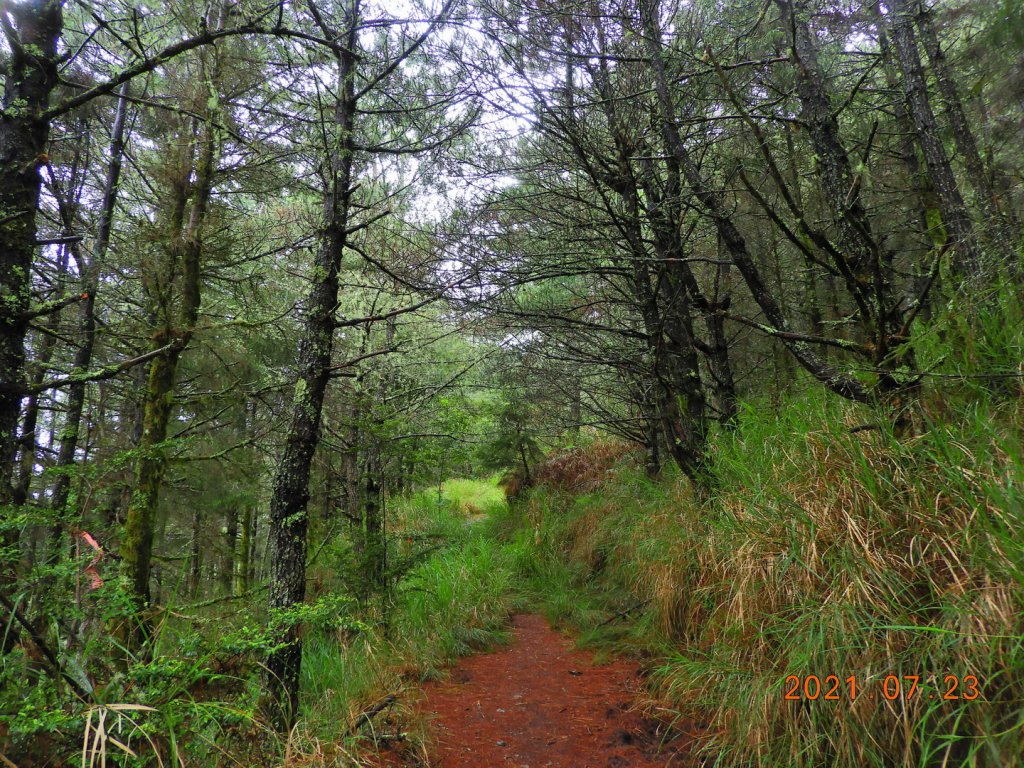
456, 599
475, 497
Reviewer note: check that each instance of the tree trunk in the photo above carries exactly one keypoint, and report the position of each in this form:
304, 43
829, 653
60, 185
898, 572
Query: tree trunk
963, 136
87, 316
140, 518
667, 309
375, 545
652, 434
915, 89
288, 506
230, 558
245, 550
522, 457
31, 75
733, 240
28, 438
862, 259
195, 560
186, 250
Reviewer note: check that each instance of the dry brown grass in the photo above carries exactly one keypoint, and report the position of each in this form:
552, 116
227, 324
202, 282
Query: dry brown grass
583, 469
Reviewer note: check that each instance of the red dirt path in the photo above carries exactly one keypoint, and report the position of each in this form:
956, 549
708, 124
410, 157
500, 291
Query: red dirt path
539, 703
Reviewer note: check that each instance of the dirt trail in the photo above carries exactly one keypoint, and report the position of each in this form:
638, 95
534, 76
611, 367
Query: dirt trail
538, 703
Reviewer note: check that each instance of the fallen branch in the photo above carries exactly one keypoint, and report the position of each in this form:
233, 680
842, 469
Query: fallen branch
45, 649
364, 718
623, 614
863, 428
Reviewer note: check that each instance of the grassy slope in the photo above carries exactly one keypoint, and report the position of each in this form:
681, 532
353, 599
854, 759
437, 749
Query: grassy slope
825, 553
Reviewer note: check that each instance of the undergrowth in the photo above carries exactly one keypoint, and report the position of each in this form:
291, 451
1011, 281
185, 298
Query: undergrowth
194, 697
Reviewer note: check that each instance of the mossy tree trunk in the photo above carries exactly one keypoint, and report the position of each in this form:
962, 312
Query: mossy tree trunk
968, 260
1000, 218
177, 297
32, 31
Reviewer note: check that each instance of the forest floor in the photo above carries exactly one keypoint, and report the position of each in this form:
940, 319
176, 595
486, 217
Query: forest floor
540, 703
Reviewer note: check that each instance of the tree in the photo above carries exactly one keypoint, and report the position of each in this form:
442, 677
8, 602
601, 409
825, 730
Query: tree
357, 76
172, 282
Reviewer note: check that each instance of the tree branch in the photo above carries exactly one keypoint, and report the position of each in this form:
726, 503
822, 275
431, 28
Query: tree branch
52, 306
104, 373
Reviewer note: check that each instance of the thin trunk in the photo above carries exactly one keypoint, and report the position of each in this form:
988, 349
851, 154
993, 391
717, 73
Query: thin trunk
374, 522
652, 434
351, 497
374, 547
230, 558
140, 518
288, 506
257, 564
195, 561
68, 204
28, 439
915, 89
575, 408
87, 315
719, 354
245, 550
522, 457
684, 408
186, 250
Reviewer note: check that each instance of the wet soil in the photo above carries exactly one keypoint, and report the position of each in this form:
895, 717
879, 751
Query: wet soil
540, 703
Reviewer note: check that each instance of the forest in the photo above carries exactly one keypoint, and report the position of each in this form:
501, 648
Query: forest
336, 336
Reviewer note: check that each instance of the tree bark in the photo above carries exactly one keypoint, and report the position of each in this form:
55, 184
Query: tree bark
245, 549
963, 135
87, 314
229, 573
864, 262
185, 249
195, 559
968, 260
733, 240
28, 82
289, 520
375, 545
28, 439
665, 308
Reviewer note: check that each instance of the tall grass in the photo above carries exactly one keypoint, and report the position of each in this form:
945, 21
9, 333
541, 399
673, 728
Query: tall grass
826, 552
